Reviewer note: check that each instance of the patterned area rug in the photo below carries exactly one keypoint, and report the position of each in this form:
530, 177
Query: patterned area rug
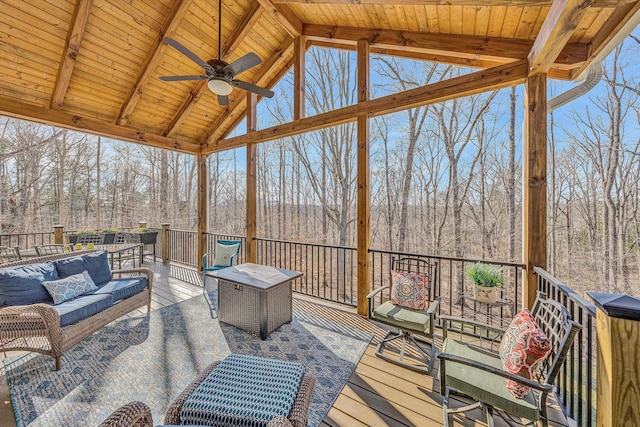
152, 358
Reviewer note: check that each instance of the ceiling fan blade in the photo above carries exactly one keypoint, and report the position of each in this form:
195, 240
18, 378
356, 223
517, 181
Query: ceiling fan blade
179, 78
253, 88
241, 65
223, 100
186, 52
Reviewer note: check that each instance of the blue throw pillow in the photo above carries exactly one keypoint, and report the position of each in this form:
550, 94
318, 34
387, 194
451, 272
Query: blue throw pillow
97, 264
62, 290
224, 253
22, 285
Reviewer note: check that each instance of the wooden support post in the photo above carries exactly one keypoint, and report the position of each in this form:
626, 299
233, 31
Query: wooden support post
58, 234
165, 242
203, 206
364, 196
142, 224
252, 198
299, 49
618, 378
535, 182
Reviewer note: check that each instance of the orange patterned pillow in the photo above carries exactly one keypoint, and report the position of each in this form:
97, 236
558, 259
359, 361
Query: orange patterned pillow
523, 348
409, 289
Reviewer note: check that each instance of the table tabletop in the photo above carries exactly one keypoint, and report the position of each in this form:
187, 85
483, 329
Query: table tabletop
256, 275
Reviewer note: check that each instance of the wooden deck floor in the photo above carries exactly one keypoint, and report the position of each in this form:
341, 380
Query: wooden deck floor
378, 393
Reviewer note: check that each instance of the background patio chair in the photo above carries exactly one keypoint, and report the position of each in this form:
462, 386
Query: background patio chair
412, 328
51, 249
85, 239
8, 255
225, 255
473, 369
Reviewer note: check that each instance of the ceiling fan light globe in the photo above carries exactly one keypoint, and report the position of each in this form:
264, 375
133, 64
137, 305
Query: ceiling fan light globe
219, 87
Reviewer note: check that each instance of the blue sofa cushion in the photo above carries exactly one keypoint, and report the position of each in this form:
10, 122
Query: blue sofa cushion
80, 308
97, 264
22, 285
123, 288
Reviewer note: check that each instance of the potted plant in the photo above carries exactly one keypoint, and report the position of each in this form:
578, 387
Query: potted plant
488, 281
147, 236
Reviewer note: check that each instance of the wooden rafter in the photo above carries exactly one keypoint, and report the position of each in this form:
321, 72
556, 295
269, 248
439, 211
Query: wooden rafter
469, 84
448, 45
521, 3
11, 107
233, 41
236, 110
171, 24
72, 45
562, 19
284, 16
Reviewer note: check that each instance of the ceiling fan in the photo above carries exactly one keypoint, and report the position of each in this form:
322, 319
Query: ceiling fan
220, 75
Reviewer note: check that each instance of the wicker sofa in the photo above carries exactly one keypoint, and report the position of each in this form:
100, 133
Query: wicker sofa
30, 321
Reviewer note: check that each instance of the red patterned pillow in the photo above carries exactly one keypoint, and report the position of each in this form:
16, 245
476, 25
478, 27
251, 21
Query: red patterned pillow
524, 346
409, 289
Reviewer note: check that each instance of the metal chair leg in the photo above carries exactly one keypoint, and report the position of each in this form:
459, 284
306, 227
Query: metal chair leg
407, 338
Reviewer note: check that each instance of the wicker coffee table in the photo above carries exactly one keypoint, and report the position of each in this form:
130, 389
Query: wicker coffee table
255, 298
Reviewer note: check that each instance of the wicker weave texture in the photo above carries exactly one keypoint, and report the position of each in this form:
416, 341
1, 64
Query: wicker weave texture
37, 328
133, 414
256, 311
297, 417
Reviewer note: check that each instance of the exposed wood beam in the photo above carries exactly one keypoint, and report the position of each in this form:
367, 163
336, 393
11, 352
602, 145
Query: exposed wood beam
534, 195
242, 29
469, 47
299, 82
422, 56
596, 3
171, 24
284, 16
364, 180
233, 41
562, 19
235, 112
72, 45
480, 81
622, 17
252, 182
21, 110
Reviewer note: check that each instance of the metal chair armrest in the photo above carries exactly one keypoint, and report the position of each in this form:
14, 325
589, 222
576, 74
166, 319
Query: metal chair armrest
377, 291
447, 320
434, 305
444, 357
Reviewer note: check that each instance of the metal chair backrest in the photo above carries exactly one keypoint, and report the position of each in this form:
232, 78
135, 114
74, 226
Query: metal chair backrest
557, 324
421, 266
51, 249
8, 255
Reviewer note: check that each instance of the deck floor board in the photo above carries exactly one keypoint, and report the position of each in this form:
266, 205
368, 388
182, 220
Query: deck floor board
378, 393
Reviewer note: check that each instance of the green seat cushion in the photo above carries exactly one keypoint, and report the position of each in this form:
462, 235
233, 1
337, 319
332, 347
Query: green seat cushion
402, 317
482, 385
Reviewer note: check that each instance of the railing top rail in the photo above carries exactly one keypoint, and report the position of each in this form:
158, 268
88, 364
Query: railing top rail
183, 231
446, 258
322, 245
576, 297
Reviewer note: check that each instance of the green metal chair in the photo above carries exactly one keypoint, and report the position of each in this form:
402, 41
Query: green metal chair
411, 328
471, 367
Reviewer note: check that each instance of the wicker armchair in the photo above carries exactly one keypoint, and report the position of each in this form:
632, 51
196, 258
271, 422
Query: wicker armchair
133, 414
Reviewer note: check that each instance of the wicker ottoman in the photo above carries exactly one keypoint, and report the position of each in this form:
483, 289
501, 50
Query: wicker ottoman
297, 416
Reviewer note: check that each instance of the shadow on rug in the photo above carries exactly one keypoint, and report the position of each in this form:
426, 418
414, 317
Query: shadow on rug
153, 358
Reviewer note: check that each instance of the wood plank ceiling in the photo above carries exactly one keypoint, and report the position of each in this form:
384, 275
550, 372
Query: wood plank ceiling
93, 65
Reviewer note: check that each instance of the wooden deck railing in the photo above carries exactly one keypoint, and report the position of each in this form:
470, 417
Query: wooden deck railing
330, 272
